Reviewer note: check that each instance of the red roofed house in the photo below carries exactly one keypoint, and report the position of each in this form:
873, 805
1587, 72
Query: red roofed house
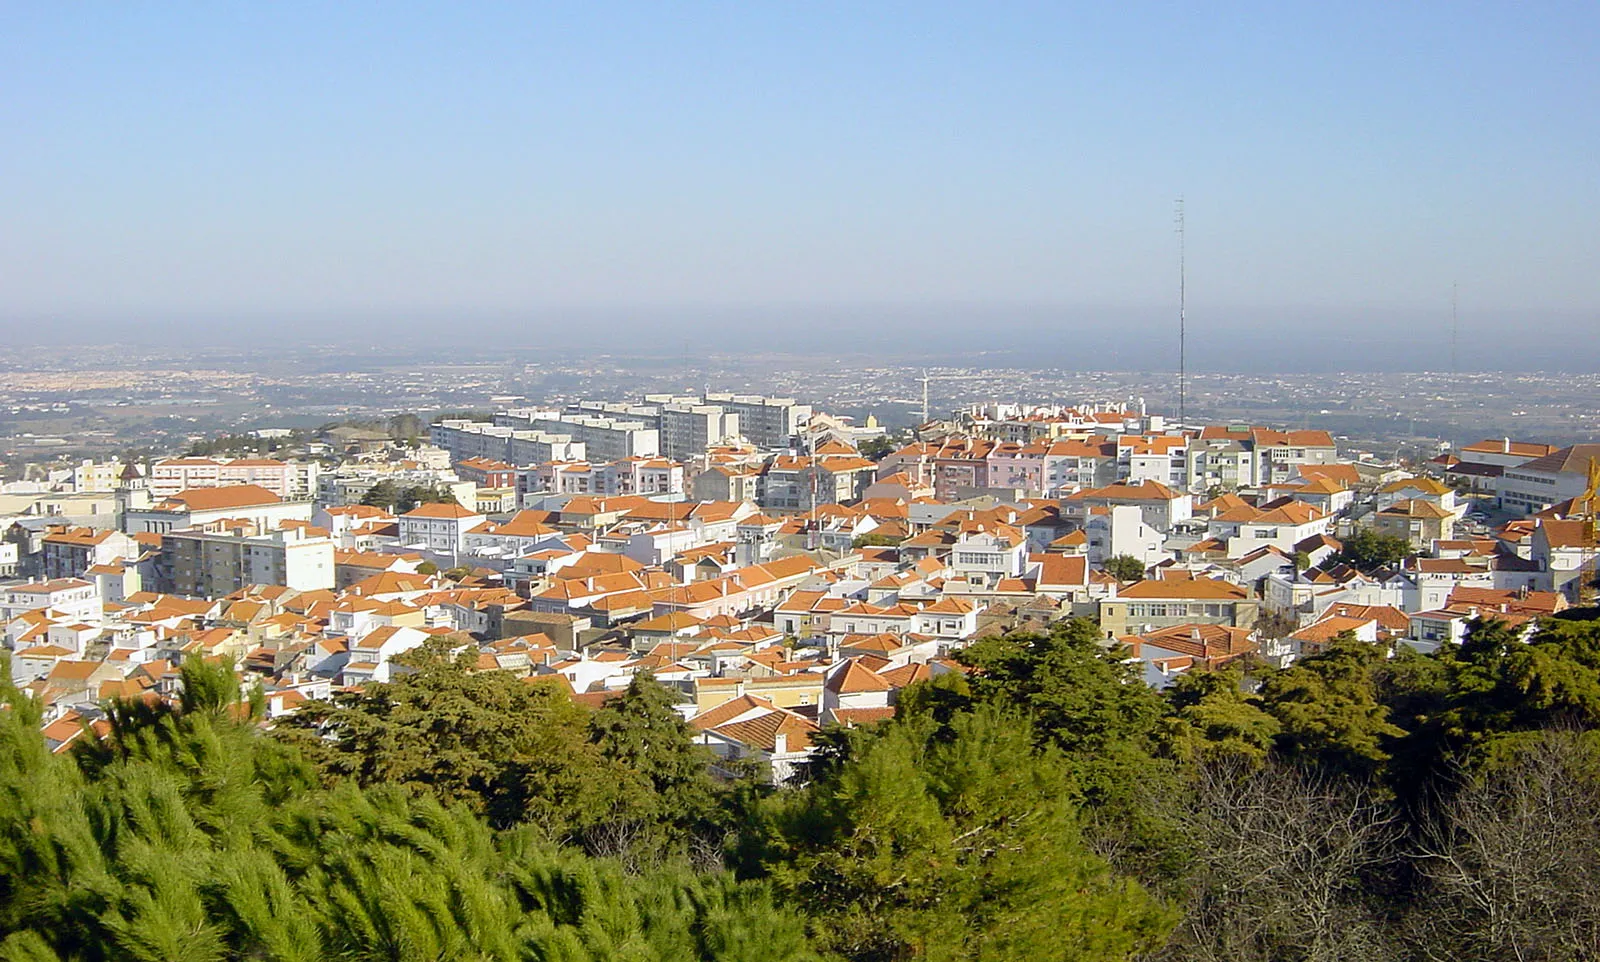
438, 529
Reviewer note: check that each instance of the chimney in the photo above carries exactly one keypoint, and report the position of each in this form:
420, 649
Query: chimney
1505, 445
780, 744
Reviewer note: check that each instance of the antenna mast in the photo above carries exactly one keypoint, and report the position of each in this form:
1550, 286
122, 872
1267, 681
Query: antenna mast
924, 395
1182, 320
1454, 368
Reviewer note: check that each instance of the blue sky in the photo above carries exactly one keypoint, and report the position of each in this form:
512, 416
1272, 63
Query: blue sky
331, 160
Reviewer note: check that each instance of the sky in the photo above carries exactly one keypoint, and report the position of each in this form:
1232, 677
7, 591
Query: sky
762, 173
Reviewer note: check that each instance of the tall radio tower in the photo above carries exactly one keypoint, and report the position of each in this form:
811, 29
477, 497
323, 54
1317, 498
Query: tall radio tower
1454, 367
1182, 320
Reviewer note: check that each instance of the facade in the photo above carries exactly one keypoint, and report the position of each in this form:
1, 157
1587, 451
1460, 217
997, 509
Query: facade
440, 529
604, 439
207, 564
286, 479
768, 422
74, 598
505, 443
69, 552
1149, 605
1536, 485
205, 506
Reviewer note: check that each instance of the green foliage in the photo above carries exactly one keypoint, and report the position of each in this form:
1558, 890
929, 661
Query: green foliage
1370, 550
957, 847
511, 751
876, 448
1213, 718
1080, 693
398, 500
1124, 567
1329, 712
626, 781
180, 845
874, 541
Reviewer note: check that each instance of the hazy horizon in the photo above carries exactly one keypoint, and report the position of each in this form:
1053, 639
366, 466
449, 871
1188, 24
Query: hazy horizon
905, 178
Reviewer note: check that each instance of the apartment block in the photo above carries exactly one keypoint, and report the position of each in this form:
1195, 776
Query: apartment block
210, 564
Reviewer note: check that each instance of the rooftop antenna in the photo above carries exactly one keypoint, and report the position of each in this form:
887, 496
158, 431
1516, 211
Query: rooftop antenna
1182, 320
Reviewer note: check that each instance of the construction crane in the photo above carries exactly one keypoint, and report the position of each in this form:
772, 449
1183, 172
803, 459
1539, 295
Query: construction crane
1584, 510
926, 378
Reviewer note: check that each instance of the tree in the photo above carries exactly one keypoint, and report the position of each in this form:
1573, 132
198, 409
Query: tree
1213, 718
1082, 696
513, 751
1370, 550
182, 849
641, 733
1329, 710
1086, 700
1282, 865
876, 448
1124, 567
384, 494
1511, 859
874, 541
959, 848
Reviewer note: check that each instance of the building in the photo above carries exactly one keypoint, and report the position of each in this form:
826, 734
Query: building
286, 479
604, 439
206, 506
505, 443
767, 422
1541, 483
689, 429
439, 529
74, 598
727, 482
210, 564
799, 483
1148, 605
1420, 522
69, 552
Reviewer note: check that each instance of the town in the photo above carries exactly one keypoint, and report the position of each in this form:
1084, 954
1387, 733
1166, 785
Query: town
781, 568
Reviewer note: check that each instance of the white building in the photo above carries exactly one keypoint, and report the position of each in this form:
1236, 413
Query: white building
210, 564
205, 506
74, 598
1535, 485
439, 529
286, 479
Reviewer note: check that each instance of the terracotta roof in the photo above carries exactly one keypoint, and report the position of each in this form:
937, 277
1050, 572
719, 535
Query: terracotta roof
227, 496
855, 678
1190, 588
441, 510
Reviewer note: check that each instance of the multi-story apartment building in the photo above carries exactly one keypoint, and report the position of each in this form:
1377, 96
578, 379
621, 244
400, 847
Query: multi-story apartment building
1241, 456
200, 507
1535, 485
1150, 605
690, 429
768, 422
467, 440
799, 483
210, 564
68, 551
646, 476
74, 598
439, 529
290, 480
604, 439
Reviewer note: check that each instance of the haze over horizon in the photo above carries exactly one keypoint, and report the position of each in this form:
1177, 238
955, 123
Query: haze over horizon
909, 177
